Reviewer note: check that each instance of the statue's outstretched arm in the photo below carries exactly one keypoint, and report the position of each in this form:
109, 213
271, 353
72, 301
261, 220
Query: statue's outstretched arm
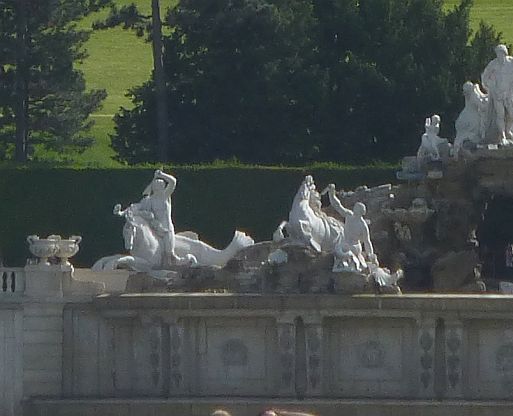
169, 179
335, 202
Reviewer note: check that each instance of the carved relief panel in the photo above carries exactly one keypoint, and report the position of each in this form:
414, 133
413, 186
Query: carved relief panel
237, 356
489, 363
371, 357
113, 357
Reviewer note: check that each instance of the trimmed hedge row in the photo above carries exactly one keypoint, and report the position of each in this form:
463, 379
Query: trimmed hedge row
212, 202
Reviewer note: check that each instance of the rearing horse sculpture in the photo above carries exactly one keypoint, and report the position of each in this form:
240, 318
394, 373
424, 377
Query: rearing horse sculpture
308, 224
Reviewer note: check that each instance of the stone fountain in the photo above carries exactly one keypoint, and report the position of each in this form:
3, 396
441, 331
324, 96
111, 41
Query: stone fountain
319, 318
424, 231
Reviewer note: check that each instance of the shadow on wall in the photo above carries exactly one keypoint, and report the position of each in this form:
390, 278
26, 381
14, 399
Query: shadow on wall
495, 236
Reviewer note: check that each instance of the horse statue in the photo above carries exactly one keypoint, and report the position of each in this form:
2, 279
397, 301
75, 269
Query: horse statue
147, 255
307, 223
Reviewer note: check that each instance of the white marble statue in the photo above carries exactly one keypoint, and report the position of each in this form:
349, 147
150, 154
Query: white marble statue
384, 278
470, 124
429, 149
155, 207
151, 240
307, 223
497, 79
349, 252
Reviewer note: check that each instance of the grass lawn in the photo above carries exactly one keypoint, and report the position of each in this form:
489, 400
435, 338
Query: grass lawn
497, 12
119, 60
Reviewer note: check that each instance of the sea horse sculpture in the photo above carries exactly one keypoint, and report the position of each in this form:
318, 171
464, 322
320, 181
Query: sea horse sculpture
307, 223
152, 242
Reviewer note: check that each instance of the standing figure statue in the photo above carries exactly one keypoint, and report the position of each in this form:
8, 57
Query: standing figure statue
349, 253
155, 207
497, 79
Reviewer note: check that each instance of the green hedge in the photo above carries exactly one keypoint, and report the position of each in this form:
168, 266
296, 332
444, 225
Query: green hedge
211, 201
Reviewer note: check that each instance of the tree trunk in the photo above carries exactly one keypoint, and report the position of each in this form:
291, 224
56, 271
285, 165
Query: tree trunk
160, 83
22, 74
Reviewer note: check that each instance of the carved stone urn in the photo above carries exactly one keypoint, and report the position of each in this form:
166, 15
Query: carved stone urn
42, 248
67, 248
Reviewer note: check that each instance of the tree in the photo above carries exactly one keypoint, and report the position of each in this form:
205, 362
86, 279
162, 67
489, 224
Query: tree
241, 83
292, 81
392, 63
44, 99
160, 81
131, 18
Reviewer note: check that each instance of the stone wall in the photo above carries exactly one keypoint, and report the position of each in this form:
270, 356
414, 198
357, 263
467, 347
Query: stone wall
296, 346
31, 331
437, 243
11, 343
67, 350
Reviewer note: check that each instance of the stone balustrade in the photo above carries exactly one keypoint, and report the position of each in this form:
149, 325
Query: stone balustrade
71, 351
388, 347
12, 281
32, 299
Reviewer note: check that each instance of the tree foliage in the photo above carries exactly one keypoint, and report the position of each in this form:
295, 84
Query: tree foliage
290, 81
43, 97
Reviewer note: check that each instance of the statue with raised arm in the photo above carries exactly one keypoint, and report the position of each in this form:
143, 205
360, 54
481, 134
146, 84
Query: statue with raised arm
151, 239
497, 79
429, 149
156, 208
349, 252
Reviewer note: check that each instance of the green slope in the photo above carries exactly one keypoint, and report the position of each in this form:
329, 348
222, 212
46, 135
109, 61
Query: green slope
117, 61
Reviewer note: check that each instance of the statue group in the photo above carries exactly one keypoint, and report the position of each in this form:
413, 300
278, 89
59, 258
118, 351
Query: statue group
349, 240
152, 242
487, 117
335, 232
155, 248
346, 237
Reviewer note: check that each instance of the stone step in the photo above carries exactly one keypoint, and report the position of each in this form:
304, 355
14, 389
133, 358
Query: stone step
253, 406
